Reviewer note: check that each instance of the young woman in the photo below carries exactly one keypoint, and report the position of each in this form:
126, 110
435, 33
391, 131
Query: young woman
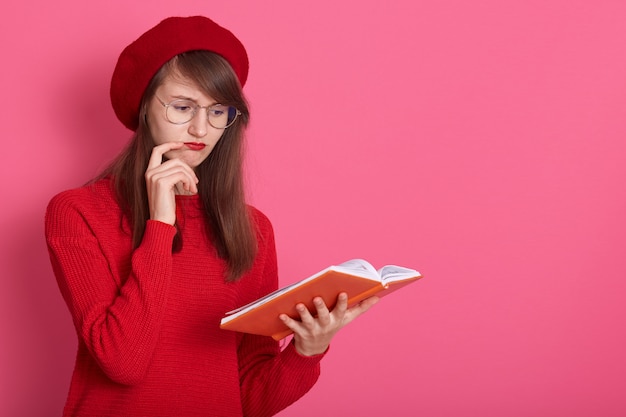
152, 253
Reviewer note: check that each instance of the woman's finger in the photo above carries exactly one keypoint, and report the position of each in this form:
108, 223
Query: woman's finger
305, 315
355, 311
156, 157
342, 305
162, 180
294, 325
323, 314
170, 171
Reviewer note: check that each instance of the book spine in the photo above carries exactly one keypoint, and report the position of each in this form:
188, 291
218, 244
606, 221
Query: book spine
364, 295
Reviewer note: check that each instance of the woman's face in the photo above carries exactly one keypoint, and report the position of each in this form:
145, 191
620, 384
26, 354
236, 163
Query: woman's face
198, 135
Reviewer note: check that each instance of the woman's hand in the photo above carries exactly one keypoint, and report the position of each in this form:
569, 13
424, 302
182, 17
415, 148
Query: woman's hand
312, 335
163, 179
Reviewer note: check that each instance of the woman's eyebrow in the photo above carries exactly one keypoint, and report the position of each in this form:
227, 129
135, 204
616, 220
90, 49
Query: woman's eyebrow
183, 97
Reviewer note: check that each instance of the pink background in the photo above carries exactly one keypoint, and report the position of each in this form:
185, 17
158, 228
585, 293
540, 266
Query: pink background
481, 142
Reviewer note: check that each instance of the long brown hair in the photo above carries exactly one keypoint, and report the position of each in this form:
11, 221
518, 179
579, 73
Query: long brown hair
221, 187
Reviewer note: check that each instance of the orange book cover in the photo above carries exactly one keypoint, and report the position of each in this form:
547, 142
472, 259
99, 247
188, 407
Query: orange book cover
356, 277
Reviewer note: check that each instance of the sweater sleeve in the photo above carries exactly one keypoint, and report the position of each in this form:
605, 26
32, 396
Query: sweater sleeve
272, 379
117, 318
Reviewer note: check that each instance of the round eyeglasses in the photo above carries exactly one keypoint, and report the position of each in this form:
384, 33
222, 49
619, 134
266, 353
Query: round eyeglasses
181, 111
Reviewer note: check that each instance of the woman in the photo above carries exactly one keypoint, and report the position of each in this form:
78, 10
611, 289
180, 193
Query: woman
152, 253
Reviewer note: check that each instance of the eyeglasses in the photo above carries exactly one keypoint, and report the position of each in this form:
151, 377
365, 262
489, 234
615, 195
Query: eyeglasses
182, 111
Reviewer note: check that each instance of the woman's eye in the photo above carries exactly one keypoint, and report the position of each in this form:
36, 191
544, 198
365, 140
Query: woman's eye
182, 106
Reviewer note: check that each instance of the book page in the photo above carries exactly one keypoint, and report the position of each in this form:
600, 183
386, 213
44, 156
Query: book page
359, 267
265, 299
393, 273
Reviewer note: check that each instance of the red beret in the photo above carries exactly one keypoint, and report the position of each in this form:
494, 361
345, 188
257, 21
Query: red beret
140, 60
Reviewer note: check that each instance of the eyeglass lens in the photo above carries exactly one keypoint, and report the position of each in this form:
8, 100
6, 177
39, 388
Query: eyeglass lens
182, 111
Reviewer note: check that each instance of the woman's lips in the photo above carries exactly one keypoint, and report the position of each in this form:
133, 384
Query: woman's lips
195, 146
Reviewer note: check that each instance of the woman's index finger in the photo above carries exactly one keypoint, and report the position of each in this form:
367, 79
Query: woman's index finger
156, 158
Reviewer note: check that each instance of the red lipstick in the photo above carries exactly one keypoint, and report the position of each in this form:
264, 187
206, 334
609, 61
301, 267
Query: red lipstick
195, 146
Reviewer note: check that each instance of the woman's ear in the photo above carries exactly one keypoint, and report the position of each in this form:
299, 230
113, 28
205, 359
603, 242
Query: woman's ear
143, 114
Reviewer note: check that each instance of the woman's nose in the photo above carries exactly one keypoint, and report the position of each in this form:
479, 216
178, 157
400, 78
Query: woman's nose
199, 123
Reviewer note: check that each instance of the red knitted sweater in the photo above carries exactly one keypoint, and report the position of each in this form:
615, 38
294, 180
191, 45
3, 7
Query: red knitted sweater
149, 342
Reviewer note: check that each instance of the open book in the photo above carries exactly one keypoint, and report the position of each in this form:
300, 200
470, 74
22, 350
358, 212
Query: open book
357, 277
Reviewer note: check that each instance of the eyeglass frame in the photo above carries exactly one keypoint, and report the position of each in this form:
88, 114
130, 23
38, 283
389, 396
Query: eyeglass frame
195, 112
